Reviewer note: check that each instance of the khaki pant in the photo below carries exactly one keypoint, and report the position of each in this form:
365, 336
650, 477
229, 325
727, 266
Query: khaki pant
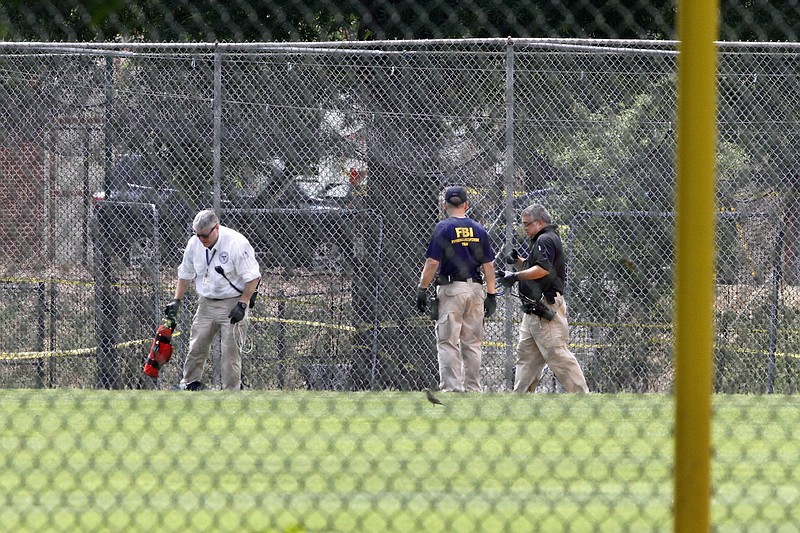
212, 318
459, 333
544, 343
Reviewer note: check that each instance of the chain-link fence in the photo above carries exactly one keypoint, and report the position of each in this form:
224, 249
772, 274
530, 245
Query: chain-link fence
330, 158
329, 154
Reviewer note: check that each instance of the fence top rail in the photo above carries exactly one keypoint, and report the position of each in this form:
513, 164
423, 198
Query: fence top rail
548, 41
380, 48
330, 44
645, 214
404, 45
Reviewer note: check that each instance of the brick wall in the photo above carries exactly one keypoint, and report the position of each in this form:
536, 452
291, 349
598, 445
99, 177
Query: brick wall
22, 185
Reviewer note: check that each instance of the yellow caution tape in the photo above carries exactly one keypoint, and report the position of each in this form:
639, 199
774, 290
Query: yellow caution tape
21, 356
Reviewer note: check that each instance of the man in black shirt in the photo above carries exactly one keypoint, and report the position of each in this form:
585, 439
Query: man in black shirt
544, 333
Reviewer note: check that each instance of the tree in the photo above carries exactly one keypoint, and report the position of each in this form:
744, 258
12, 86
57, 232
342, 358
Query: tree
269, 20
325, 20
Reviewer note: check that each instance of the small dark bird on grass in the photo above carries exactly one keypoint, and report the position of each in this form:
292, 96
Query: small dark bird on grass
431, 398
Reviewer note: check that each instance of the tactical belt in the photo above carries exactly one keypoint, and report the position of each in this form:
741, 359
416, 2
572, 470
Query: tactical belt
445, 279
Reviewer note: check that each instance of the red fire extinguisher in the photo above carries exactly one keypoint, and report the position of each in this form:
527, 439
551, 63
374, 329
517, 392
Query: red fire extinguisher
161, 349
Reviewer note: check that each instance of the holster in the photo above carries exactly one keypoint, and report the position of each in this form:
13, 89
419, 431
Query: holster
444, 279
433, 308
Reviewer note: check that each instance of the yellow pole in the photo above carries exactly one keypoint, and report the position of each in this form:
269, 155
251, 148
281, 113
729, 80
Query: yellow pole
695, 250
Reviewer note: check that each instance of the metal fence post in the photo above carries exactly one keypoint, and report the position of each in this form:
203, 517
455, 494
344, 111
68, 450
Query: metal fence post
508, 177
282, 353
52, 329
105, 292
106, 300
377, 306
108, 132
217, 108
41, 311
773, 308
87, 194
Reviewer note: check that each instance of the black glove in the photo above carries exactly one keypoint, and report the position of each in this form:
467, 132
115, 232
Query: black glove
507, 279
171, 310
237, 313
422, 299
489, 305
512, 257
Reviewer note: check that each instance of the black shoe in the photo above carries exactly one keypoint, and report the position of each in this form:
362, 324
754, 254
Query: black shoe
194, 385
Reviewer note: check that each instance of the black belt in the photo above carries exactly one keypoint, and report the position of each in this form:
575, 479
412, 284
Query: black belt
443, 279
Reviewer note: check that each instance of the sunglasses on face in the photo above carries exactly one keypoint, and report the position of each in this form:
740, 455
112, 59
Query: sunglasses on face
205, 235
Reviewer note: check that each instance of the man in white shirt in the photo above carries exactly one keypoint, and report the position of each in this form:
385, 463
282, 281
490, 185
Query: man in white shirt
223, 266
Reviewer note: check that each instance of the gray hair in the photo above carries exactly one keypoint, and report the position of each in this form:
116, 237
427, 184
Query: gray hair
205, 219
537, 212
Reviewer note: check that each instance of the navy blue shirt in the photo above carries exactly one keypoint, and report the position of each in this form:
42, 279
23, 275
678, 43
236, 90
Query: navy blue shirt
461, 245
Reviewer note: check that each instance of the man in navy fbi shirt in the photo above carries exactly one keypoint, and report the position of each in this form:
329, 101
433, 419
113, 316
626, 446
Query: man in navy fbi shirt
459, 259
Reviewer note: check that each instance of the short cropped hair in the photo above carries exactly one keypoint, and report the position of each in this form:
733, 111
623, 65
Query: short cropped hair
537, 212
205, 219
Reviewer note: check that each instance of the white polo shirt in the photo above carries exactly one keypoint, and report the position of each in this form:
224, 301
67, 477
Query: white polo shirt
232, 252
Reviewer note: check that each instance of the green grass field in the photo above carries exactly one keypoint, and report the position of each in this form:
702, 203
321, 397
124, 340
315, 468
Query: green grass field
84, 460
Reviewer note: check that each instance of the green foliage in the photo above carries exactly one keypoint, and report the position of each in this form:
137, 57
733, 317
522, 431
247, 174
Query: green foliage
322, 20
326, 20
